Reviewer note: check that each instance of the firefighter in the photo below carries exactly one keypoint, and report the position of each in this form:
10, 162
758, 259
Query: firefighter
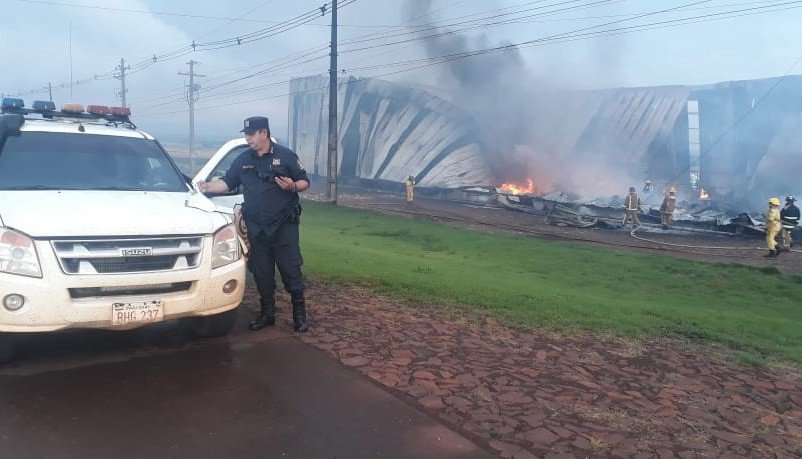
631, 208
789, 216
410, 184
773, 226
667, 208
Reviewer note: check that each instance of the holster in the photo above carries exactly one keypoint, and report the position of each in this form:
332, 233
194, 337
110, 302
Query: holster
294, 214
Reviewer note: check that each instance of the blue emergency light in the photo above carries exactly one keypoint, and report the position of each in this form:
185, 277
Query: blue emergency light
44, 106
12, 103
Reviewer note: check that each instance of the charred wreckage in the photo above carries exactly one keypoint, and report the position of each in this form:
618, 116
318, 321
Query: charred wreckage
724, 163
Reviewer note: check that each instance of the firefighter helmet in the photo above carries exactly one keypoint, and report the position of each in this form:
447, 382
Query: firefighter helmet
632, 189
774, 202
790, 199
672, 190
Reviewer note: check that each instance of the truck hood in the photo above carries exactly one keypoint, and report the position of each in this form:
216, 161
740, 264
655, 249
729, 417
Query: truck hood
46, 213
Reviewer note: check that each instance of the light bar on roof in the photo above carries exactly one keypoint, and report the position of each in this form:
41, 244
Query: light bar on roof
11, 102
121, 111
98, 110
72, 108
44, 106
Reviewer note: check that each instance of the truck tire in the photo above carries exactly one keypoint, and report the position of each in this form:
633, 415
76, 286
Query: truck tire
6, 348
216, 325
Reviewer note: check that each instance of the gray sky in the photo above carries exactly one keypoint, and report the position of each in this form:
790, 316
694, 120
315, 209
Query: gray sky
36, 49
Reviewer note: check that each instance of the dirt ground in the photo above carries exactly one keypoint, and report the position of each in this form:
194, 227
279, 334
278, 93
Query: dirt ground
525, 393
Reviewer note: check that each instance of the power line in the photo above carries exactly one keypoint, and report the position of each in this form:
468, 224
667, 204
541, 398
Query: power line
583, 33
260, 34
312, 50
416, 64
148, 12
185, 15
483, 19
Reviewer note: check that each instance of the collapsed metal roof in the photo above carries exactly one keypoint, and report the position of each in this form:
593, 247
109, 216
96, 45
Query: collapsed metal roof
387, 132
747, 142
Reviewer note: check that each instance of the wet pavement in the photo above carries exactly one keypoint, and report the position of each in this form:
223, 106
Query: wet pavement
381, 377
161, 393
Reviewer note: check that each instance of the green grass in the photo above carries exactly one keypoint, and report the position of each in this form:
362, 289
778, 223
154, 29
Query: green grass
556, 285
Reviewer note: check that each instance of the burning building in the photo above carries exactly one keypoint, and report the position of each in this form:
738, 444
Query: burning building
734, 143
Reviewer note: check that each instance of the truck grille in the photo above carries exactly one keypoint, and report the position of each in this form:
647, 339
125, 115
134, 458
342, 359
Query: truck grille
114, 256
130, 290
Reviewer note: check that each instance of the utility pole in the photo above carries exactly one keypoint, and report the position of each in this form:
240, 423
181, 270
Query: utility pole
121, 76
192, 97
50, 90
331, 190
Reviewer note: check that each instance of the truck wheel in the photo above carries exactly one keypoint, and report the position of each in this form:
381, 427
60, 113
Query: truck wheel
6, 348
216, 325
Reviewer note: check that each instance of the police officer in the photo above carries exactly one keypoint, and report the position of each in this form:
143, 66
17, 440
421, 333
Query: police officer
271, 176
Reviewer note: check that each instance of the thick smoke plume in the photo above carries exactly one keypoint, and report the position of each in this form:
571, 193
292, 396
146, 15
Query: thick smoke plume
523, 125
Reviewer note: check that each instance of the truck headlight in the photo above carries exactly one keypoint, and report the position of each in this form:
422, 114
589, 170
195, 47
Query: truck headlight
18, 254
225, 248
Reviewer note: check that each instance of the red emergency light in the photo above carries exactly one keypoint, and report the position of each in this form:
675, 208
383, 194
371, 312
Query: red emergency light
100, 110
121, 111
72, 108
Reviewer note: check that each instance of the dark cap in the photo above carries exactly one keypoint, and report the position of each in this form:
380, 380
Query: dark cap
632, 189
254, 123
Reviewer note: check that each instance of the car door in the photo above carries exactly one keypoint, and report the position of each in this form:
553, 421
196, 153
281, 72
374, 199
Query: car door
216, 167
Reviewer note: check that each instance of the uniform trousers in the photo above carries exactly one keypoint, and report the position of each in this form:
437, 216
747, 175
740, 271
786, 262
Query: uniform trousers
787, 240
280, 249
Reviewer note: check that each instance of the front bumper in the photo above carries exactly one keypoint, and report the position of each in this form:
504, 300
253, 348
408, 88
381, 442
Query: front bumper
51, 302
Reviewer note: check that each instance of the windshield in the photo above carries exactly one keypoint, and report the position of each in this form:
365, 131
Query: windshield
72, 161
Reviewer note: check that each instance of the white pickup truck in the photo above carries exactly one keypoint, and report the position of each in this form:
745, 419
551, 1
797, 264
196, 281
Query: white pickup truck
99, 229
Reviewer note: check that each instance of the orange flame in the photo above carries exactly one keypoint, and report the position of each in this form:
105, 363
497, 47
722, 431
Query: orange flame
703, 194
513, 188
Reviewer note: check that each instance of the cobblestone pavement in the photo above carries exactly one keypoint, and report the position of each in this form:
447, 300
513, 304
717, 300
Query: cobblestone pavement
535, 394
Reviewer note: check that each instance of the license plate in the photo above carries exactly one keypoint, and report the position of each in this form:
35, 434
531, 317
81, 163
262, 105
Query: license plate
140, 312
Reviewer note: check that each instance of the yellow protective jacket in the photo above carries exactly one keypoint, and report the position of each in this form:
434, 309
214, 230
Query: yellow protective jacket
669, 204
632, 202
773, 220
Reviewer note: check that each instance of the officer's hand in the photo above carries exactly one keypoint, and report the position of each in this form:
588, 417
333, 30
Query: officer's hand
285, 183
201, 184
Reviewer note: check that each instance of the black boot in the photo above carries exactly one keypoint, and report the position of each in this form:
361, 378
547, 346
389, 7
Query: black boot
772, 254
267, 316
299, 323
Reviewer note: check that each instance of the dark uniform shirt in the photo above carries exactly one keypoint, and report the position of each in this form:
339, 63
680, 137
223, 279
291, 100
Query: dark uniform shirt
790, 216
266, 205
